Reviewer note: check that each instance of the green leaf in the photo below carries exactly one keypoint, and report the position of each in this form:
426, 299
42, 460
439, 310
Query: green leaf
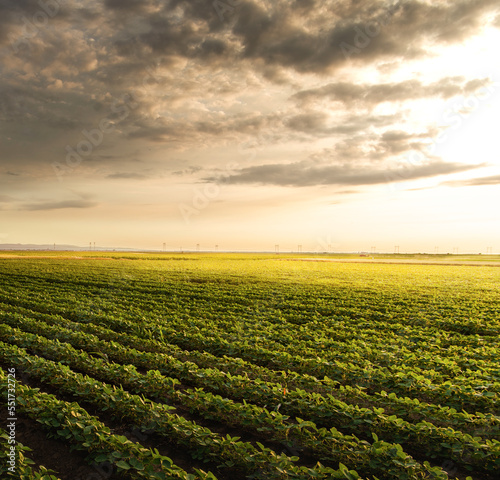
123, 465
136, 464
101, 458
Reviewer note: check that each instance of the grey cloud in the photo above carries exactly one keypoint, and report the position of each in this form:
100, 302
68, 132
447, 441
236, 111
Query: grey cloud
127, 176
13, 104
308, 122
94, 53
395, 136
473, 85
403, 29
271, 32
58, 205
188, 171
316, 123
11, 12
304, 5
23, 20
311, 173
160, 130
163, 129
198, 10
169, 36
212, 47
474, 182
347, 192
127, 5
350, 93
394, 142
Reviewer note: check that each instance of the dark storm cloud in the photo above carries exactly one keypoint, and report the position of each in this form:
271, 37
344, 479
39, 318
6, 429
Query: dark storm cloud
168, 38
149, 30
310, 173
23, 20
126, 5
11, 12
198, 10
305, 5
58, 205
153, 68
305, 36
273, 33
364, 31
212, 47
474, 182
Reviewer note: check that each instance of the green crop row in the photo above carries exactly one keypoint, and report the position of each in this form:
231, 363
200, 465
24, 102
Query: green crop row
391, 298
72, 424
150, 416
404, 381
370, 459
405, 408
337, 319
344, 338
284, 350
324, 410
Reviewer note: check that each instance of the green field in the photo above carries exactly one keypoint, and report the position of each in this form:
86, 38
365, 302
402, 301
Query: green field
258, 366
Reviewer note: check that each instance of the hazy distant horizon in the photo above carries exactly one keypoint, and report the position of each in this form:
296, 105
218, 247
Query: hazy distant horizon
217, 249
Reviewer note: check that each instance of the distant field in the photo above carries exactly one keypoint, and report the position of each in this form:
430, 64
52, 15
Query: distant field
371, 258
258, 366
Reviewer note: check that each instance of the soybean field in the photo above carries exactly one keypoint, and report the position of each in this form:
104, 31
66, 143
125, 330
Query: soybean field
249, 366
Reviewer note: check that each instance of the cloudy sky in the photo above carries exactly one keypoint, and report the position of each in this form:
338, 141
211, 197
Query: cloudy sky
341, 124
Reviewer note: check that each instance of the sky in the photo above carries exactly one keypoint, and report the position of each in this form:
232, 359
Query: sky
336, 125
